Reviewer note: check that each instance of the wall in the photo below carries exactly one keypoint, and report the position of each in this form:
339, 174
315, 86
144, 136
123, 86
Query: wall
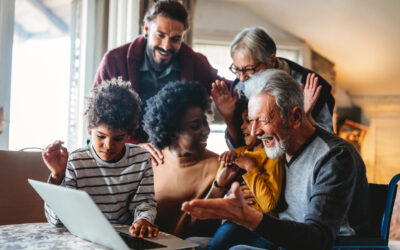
210, 23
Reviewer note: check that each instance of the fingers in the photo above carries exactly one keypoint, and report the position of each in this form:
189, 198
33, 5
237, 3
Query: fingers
227, 157
235, 95
236, 191
142, 231
308, 80
56, 145
246, 192
134, 230
137, 230
152, 231
157, 158
219, 88
203, 209
311, 82
250, 202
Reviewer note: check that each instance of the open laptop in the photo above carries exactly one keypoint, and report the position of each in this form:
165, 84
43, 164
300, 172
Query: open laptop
82, 217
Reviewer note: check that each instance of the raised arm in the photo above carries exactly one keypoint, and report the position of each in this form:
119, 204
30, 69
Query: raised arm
226, 104
55, 157
311, 91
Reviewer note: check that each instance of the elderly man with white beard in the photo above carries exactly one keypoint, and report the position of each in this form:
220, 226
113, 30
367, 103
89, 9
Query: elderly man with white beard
326, 189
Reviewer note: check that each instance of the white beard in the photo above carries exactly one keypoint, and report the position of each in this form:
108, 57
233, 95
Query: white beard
275, 151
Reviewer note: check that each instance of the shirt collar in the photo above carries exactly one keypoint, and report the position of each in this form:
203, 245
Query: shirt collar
173, 66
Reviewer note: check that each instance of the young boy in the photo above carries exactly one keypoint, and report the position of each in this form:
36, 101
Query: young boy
117, 175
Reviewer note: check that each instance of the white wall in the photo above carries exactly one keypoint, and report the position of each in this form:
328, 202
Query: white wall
222, 21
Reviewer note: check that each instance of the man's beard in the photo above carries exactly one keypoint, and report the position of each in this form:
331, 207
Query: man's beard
159, 67
275, 151
278, 148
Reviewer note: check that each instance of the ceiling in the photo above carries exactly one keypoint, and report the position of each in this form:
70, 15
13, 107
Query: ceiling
362, 37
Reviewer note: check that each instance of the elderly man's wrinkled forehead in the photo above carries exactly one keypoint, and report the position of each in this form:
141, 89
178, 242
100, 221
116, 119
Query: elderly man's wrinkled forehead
262, 106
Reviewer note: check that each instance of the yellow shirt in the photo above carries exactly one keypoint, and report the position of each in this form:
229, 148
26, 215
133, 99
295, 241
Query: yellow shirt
265, 181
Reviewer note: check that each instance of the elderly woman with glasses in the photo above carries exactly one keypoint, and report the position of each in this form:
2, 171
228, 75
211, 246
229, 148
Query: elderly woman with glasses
253, 51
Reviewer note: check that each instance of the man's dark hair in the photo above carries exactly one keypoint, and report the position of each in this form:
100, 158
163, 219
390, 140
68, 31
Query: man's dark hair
114, 104
168, 8
164, 111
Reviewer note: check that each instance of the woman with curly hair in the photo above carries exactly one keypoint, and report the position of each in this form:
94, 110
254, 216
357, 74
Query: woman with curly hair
176, 122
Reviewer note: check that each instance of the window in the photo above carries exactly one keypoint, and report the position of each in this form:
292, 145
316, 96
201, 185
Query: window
40, 73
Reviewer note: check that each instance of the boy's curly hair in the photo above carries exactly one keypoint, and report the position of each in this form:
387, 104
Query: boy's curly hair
114, 104
164, 112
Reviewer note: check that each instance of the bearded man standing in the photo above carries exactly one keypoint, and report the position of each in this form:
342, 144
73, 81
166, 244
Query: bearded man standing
160, 56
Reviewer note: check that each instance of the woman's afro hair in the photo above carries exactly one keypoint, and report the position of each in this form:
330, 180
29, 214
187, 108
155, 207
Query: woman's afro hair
164, 111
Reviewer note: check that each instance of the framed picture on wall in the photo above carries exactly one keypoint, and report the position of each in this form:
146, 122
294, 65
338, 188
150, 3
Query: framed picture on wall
353, 132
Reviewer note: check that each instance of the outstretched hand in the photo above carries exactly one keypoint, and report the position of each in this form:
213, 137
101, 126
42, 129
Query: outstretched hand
233, 208
224, 102
55, 156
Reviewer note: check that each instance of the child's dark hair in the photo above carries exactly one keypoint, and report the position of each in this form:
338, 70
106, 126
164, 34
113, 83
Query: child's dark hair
240, 107
114, 104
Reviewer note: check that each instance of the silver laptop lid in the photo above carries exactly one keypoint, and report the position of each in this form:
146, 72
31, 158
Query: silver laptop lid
79, 214
82, 217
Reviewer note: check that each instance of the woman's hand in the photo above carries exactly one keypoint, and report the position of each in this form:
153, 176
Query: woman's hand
141, 227
157, 158
55, 157
224, 102
311, 92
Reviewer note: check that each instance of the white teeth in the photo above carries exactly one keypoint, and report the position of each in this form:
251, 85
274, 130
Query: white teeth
265, 137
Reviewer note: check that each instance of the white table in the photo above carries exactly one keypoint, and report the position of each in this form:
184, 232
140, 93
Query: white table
41, 236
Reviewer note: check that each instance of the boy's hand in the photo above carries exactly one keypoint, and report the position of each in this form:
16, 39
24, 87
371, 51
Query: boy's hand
157, 157
246, 162
227, 157
55, 157
141, 227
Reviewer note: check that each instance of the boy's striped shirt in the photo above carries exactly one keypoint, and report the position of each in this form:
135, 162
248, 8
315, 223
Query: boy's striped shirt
124, 190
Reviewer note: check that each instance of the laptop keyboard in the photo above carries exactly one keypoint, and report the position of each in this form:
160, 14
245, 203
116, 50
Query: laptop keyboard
139, 243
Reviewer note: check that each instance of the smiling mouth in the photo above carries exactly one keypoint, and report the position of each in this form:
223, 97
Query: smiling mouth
164, 53
268, 140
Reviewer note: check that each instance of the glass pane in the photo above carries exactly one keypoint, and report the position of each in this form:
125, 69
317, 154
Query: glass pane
40, 73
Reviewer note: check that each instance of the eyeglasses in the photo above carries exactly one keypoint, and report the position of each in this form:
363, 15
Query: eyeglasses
245, 70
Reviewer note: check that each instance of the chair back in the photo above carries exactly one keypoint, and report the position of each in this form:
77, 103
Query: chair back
19, 203
378, 203
388, 209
